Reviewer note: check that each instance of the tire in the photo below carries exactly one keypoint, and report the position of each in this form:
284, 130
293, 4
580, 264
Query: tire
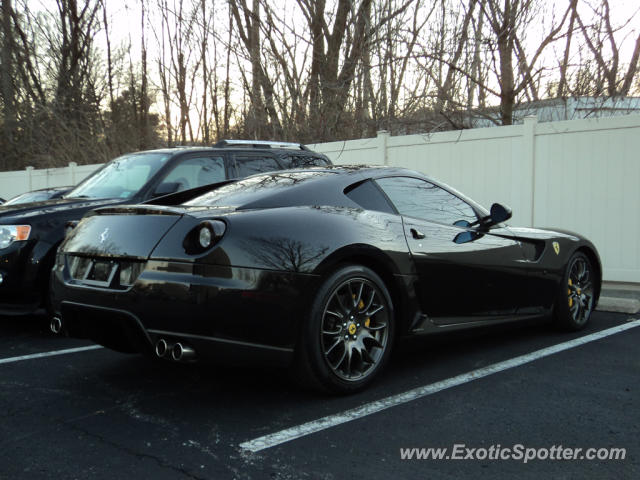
575, 299
348, 334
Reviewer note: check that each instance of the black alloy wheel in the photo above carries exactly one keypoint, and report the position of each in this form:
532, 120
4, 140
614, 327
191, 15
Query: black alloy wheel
575, 302
349, 334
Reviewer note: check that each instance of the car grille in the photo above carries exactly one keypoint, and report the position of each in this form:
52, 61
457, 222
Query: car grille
117, 274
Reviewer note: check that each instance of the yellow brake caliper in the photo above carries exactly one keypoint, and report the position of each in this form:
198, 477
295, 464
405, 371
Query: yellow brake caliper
367, 322
570, 297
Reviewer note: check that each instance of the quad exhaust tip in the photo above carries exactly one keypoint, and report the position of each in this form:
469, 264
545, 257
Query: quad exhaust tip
182, 353
178, 352
162, 348
56, 325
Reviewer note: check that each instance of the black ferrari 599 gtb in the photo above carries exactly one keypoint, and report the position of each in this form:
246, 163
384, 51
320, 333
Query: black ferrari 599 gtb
320, 269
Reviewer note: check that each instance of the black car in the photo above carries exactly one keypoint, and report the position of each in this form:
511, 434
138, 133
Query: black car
320, 269
30, 233
39, 195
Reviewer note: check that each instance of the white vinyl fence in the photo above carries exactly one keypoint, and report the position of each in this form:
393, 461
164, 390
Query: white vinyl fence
17, 182
579, 175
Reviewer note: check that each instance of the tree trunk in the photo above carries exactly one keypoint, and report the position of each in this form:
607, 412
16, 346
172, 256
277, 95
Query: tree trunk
562, 85
6, 78
505, 52
144, 141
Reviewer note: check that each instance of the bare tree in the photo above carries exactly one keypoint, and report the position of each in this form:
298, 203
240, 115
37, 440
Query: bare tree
393, 54
617, 81
7, 90
144, 141
177, 65
263, 115
306, 70
77, 27
562, 84
509, 22
462, 43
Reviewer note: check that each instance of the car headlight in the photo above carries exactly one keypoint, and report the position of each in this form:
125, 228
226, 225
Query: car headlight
13, 233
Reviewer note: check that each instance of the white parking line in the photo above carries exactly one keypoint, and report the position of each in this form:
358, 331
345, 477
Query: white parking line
283, 436
48, 354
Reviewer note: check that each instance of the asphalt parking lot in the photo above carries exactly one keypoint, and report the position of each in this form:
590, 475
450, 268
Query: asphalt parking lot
101, 414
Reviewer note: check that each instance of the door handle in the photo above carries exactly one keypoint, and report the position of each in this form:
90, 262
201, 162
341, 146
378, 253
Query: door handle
417, 234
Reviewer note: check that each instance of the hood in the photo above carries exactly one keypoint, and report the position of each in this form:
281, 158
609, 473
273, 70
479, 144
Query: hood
25, 212
543, 233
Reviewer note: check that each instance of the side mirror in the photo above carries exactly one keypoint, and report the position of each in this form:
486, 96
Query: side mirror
465, 237
462, 223
166, 188
499, 213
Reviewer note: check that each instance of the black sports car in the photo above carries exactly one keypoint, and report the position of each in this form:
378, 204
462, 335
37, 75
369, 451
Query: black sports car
322, 269
30, 233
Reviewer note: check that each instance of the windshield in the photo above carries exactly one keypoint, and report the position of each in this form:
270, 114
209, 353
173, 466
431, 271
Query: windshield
30, 197
122, 178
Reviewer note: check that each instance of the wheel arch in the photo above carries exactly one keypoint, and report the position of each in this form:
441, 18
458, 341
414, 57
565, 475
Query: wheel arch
595, 261
380, 263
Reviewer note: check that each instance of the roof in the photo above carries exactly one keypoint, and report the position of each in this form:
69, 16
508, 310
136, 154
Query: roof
309, 186
249, 145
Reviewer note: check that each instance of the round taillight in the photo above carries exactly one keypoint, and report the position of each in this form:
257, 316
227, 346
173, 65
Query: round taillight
205, 237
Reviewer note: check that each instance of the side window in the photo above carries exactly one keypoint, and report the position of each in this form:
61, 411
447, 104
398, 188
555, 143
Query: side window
420, 199
302, 161
197, 171
250, 164
369, 197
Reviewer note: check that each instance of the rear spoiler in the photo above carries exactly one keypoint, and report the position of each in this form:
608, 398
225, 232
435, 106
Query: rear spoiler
186, 195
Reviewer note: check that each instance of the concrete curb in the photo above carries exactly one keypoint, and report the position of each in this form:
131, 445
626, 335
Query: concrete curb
617, 304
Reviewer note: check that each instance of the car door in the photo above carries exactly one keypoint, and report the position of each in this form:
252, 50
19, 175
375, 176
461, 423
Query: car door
462, 276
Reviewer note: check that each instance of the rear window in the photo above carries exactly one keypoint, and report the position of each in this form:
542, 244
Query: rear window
254, 188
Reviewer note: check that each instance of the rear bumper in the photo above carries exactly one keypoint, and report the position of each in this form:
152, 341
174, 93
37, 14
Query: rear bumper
237, 315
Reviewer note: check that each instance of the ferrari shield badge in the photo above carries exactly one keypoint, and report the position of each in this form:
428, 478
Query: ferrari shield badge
556, 247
